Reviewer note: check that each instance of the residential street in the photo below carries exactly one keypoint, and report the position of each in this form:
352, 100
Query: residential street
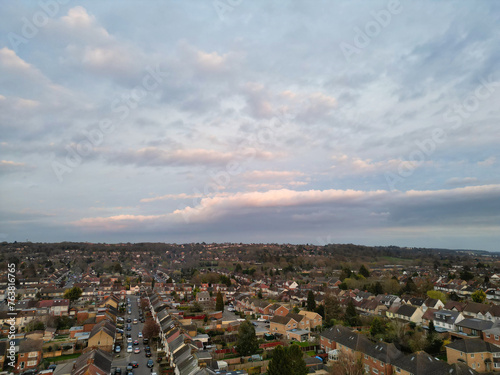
123, 359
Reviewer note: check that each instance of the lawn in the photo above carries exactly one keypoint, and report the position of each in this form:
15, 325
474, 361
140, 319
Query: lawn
64, 357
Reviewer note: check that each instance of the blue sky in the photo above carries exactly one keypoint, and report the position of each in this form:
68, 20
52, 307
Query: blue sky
251, 121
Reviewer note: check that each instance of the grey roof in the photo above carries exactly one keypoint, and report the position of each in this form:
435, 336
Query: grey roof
335, 332
473, 346
100, 358
446, 316
477, 324
421, 363
406, 310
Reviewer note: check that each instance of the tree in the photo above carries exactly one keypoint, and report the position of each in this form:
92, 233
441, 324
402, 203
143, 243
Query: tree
432, 329
436, 294
247, 343
117, 268
296, 360
478, 296
378, 327
296, 310
238, 268
332, 308
287, 361
170, 280
351, 315
345, 274
347, 364
34, 325
151, 329
311, 302
259, 295
320, 309
364, 271
279, 364
219, 303
466, 275
225, 280
409, 287
73, 293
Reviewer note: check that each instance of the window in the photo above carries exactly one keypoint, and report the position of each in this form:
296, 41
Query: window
33, 355
488, 335
474, 365
31, 363
375, 371
472, 355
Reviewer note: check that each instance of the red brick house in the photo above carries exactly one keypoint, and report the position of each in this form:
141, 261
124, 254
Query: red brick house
30, 355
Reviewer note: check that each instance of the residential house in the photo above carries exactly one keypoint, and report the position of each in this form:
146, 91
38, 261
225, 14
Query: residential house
30, 355
103, 336
409, 313
281, 324
476, 353
476, 310
93, 362
445, 320
315, 320
432, 303
428, 317
298, 335
492, 335
328, 338
420, 363
473, 327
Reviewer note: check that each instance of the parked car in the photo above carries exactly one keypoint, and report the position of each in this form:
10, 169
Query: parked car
134, 364
136, 321
118, 371
129, 340
129, 349
145, 341
118, 349
150, 363
139, 335
148, 354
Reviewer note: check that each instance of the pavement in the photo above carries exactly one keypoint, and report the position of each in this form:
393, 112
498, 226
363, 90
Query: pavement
123, 359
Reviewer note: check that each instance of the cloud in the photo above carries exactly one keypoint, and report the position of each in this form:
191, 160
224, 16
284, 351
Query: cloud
332, 211
171, 196
459, 181
154, 156
9, 166
487, 162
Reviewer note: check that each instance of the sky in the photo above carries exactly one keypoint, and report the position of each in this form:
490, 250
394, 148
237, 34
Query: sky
372, 123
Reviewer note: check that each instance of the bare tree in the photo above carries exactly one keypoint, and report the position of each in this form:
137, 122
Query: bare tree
347, 364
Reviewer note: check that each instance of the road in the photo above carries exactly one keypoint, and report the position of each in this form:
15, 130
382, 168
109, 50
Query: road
125, 358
